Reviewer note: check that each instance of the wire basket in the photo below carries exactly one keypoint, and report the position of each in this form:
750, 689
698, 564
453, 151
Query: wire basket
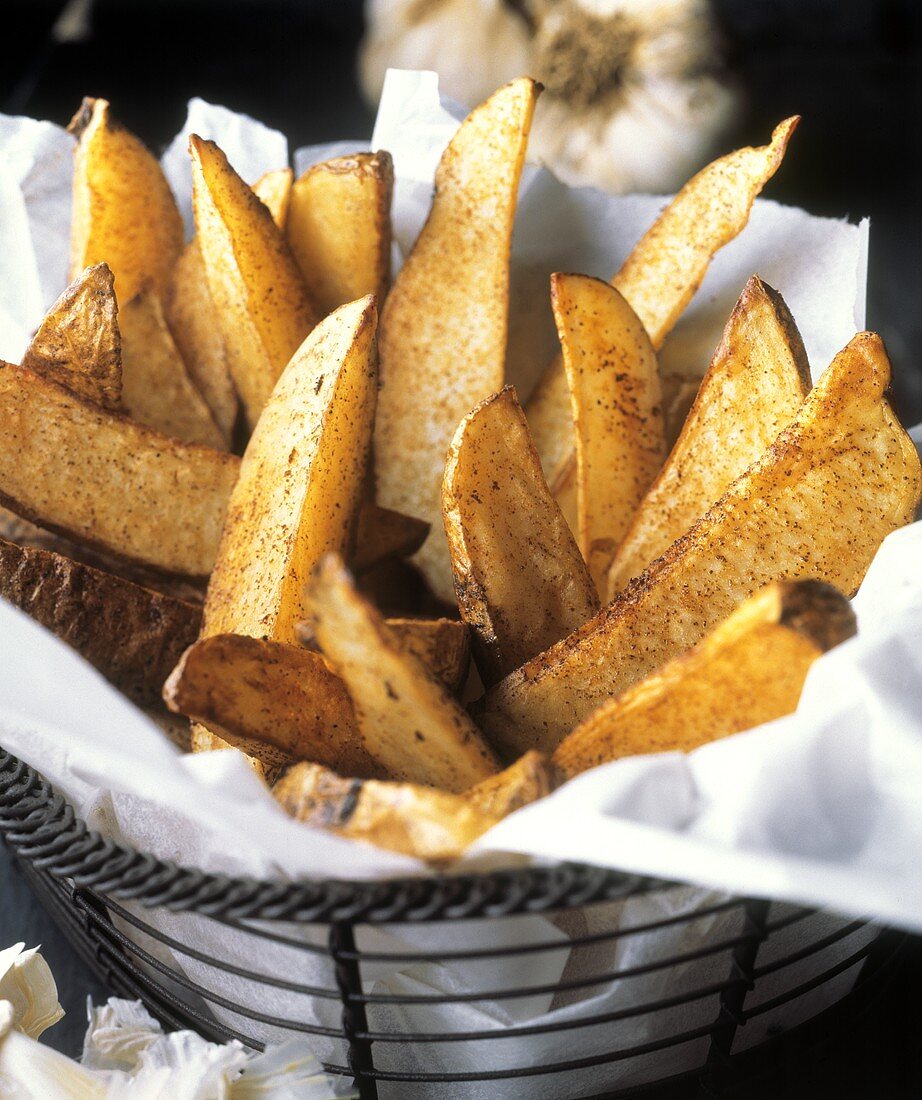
561, 981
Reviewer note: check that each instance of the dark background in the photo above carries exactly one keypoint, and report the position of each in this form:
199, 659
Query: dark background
853, 70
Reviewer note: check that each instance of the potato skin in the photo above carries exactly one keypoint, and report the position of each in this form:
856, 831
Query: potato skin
78, 344
520, 580
132, 635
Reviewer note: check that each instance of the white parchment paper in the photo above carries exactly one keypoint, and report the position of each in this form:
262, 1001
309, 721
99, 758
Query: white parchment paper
822, 807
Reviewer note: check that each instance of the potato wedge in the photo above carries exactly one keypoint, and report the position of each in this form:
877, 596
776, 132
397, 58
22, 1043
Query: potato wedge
193, 322
444, 324
665, 268
103, 480
273, 189
756, 382
263, 307
276, 694
817, 505
748, 670
132, 635
124, 213
670, 260
339, 227
616, 402
520, 579
409, 721
157, 389
402, 817
78, 344
531, 777
382, 533
301, 480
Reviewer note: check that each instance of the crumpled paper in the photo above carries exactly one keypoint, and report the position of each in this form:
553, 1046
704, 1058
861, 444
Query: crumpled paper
820, 808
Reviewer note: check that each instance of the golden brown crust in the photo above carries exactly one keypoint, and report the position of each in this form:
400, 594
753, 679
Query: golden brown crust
339, 227
124, 213
520, 580
531, 777
78, 344
403, 817
756, 382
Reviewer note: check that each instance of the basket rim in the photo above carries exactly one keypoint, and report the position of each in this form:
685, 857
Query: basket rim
42, 828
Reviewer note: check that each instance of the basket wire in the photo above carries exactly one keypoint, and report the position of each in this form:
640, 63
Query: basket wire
346, 935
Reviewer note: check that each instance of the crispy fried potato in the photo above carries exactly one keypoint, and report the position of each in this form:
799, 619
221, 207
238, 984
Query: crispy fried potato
78, 344
156, 386
670, 260
531, 777
106, 481
132, 635
444, 324
339, 227
273, 189
267, 761
263, 307
520, 579
748, 670
124, 213
275, 694
756, 382
817, 505
402, 817
382, 533
665, 268
193, 322
301, 480
409, 721
616, 403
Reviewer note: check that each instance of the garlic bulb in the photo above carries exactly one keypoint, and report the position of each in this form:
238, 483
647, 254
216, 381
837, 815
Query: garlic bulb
634, 95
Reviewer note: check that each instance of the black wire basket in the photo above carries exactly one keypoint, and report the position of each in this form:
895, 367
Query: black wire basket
560, 981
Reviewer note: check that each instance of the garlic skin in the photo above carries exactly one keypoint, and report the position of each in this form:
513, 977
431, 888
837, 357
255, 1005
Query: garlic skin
27, 985
30, 1071
635, 98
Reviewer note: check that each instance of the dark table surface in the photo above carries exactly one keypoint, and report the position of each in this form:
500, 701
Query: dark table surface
852, 70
